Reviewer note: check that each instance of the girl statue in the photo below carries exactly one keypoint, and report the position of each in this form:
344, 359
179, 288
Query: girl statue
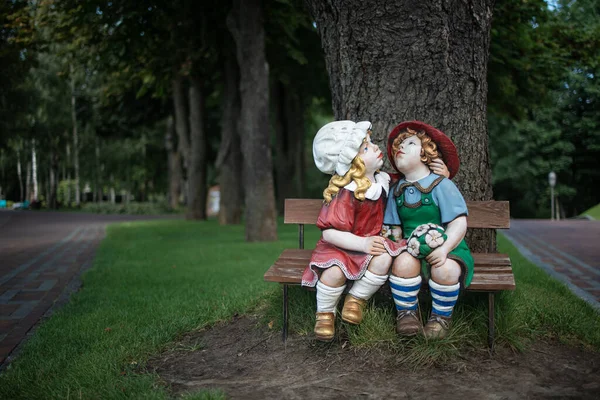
351, 218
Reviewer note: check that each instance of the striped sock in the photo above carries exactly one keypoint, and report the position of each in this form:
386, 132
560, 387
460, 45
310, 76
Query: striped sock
405, 291
328, 297
443, 298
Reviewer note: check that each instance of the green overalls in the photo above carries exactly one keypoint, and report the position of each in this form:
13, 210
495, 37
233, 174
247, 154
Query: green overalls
426, 211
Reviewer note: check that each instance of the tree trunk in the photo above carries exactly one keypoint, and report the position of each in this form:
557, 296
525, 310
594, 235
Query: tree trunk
34, 170
229, 159
246, 25
414, 60
294, 112
174, 165
53, 180
98, 185
28, 183
289, 148
181, 126
75, 138
197, 190
20, 175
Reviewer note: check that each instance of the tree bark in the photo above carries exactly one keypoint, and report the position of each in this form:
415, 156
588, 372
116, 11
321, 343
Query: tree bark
197, 190
411, 60
174, 165
229, 159
246, 25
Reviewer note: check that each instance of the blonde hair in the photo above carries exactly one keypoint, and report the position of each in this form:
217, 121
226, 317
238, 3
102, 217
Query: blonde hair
356, 173
428, 146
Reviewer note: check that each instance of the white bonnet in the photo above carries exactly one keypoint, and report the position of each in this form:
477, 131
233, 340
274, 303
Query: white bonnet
337, 143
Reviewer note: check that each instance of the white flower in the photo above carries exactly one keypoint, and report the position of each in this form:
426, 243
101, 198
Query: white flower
434, 239
413, 247
385, 230
420, 230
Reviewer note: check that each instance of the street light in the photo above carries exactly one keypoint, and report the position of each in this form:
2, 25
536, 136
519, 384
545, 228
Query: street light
552, 182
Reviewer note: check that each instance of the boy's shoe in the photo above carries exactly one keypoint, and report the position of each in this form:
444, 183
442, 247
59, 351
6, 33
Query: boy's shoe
353, 309
408, 323
325, 326
437, 327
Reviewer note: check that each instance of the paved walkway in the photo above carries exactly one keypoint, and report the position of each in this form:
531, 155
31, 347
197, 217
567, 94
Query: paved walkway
569, 250
40, 254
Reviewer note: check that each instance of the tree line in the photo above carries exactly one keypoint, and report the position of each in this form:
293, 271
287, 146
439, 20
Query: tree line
146, 98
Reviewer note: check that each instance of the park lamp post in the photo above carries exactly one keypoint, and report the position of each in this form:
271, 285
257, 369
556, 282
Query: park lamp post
552, 182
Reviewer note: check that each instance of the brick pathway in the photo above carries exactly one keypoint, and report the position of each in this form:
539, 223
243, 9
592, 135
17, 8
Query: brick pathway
40, 253
569, 250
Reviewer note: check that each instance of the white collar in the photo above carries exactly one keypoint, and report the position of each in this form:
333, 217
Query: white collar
382, 182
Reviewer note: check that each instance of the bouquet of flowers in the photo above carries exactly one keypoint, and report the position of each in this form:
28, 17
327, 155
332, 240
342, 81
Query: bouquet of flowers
424, 239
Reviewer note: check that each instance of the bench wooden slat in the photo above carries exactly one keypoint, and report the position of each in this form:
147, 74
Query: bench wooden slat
482, 214
493, 272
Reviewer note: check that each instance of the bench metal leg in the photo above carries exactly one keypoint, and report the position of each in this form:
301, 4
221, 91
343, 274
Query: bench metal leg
491, 321
285, 313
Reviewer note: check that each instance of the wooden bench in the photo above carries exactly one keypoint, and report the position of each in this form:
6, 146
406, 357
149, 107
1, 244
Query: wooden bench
493, 271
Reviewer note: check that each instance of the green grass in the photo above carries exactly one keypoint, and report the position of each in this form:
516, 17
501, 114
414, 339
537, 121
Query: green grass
593, 212
154, 281
151, 282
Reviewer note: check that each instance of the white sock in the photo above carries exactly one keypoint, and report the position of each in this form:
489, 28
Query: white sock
366, 286
405, 292
328, 297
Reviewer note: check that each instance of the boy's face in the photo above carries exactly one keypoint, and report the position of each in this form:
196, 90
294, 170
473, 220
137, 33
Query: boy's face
408, 155
371, 155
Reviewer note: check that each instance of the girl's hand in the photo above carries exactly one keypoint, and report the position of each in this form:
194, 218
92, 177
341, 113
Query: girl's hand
438, 257
374, 245
437, 166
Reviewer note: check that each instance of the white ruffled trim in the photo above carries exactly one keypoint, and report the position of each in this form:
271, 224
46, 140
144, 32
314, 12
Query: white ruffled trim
382, 182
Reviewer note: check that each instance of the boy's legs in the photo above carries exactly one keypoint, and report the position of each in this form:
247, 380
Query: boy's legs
362, 289
405, 282
444, 288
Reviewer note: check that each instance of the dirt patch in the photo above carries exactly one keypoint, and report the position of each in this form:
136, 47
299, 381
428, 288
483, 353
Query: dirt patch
250, 362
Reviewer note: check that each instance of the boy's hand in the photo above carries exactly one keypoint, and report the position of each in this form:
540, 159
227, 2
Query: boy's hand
437, 166
438, 257
374, 245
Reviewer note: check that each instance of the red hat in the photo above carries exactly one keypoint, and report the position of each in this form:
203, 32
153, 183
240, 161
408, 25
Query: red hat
443, 142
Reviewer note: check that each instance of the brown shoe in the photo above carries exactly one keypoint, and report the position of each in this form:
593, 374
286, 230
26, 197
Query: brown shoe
353, 309
437, 327
408, 323
325, 326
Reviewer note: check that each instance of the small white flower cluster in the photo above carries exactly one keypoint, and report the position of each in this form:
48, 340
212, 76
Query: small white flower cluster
424, 239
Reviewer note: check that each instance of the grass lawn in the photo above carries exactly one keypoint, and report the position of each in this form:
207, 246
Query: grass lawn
593, 212
153, 281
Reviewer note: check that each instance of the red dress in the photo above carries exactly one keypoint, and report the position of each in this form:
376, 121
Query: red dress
362, 218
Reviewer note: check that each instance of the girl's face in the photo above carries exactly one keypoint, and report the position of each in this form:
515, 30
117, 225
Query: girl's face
371, 155
408, 155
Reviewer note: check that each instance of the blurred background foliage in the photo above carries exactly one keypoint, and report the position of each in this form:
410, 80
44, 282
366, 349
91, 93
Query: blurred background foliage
85, 86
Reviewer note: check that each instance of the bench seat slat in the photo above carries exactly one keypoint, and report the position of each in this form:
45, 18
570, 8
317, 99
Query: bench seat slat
493, 271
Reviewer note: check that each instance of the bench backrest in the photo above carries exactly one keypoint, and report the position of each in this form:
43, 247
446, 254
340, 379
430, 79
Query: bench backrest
482, 214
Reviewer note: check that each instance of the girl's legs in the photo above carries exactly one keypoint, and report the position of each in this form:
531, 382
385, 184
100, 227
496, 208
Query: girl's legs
365, 287
405, 282
330, 287
444, 288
